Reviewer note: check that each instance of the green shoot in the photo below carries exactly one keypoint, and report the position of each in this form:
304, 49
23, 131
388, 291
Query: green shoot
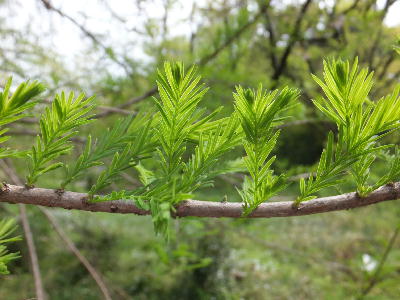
12, 108
113, 140
57, 126
258, 111
360, 122
130, 156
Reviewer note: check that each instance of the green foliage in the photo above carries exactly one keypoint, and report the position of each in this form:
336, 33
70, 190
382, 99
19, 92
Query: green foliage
360, 122
332, 164
113, 140
180, 122
258, 112
57, 125
180, 95
12, 108
109, 142
7, 227
393, 172
189, 145
130, 155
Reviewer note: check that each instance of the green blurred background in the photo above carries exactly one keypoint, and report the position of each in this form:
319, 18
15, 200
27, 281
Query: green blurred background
112, 49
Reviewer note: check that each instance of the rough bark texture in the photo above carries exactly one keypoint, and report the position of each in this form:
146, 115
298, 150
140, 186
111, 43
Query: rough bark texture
71, 200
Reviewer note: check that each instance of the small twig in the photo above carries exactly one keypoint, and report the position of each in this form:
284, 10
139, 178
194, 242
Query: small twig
40, 294
71, 246
47, 4
29, 132
203, 61
92, 271
128, 103
293, 39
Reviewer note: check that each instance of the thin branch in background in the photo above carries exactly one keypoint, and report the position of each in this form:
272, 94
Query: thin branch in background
374, 279
40, 293
374, 47
128, 103
28, 121
47, 4
71, 246
206, 59
196, 208
105, 108
37, 277
386, 65
117, 110
294, 36
272, 40
61, 233
28, 132
202, 61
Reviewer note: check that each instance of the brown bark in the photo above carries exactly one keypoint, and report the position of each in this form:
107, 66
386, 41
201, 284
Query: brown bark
71, 200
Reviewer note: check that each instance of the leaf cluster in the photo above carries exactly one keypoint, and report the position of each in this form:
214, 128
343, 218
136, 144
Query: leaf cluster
361, 124
13, 107
258, 112
57, 125
182, 122
112, 142
135, 146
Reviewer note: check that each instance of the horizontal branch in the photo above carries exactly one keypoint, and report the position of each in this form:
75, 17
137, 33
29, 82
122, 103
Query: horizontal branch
71, 200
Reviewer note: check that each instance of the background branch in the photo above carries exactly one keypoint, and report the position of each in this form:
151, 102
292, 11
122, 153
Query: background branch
37, 277
72, 247
61, 233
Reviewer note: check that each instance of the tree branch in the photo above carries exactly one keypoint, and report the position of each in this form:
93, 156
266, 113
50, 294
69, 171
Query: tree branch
72, 200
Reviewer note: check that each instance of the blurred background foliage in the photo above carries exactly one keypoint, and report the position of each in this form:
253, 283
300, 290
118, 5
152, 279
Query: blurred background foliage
112, 49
